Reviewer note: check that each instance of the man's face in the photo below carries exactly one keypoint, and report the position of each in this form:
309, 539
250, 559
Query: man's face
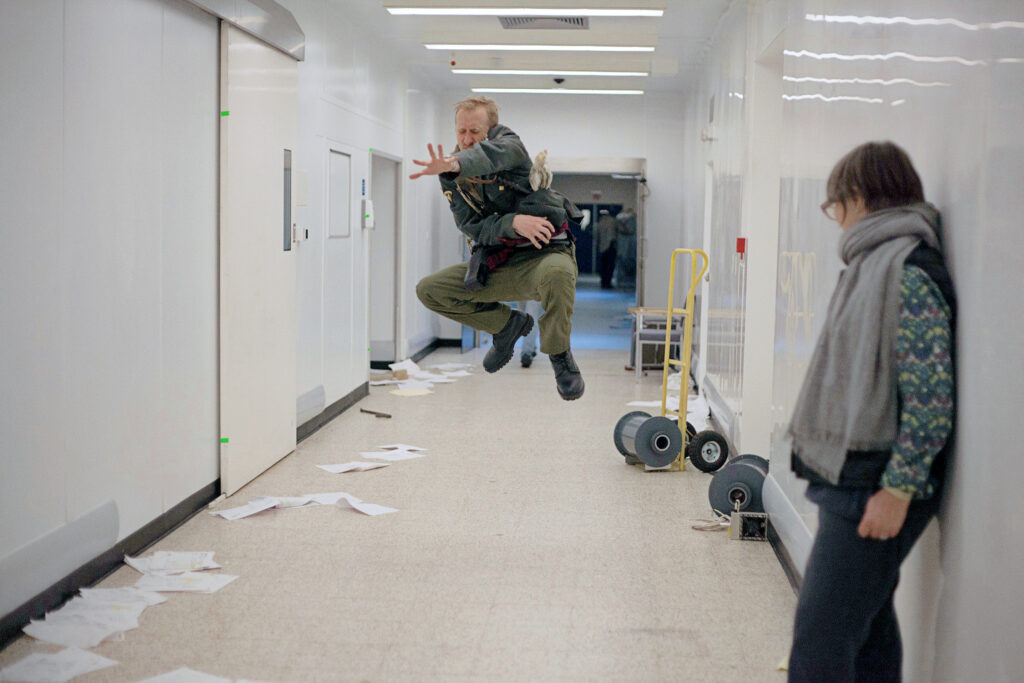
471, 126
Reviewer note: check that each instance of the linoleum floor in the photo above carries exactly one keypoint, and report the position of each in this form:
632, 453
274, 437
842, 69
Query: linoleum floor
524, 549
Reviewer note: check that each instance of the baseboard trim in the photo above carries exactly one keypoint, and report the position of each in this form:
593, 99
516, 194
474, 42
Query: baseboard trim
105, 563
433, 346
788, 566
307, 429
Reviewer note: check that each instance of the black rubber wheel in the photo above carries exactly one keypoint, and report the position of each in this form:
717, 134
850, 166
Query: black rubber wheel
691, 432
658, 442
708, 451
755, 460
737, 482
617, 435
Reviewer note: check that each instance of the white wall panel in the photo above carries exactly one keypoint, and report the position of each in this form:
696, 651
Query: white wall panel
112, 324
188, 286
959, 595
111, 251
431, 239
352, 97
31, 198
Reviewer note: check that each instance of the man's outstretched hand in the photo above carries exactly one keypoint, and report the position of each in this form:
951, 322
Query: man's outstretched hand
437, 165
533, 228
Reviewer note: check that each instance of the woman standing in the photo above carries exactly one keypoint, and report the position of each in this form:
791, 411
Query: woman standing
872, 426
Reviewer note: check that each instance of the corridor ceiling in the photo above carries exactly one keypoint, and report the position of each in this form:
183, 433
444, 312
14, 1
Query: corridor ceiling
681, 39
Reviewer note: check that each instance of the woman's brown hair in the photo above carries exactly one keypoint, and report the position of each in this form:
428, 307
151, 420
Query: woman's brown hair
880, 172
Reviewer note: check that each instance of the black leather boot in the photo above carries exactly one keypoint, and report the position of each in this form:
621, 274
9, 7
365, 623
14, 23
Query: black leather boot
518, 325
567, 376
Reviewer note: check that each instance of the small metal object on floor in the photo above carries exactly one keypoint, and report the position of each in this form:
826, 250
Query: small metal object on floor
375, 413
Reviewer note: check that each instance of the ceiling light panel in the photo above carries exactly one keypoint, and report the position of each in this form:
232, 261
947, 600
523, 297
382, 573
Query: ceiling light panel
559, 91
546, 72
523, 12
540, 48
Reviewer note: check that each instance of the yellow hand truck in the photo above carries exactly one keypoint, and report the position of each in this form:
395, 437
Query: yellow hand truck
656, 443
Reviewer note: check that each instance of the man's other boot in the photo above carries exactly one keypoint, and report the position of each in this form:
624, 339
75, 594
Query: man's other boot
567, 376
504, 345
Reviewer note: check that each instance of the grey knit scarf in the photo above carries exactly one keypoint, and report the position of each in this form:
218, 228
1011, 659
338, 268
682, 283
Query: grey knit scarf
848, 399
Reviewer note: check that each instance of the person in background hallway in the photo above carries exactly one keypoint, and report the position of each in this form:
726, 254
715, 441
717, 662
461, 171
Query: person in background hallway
625, 264
522, 247
529, 350
605, 233
872, 426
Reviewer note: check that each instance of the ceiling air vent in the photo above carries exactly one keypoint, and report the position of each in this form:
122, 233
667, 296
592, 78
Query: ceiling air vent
545, 22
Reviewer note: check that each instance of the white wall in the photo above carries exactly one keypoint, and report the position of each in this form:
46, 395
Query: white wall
354, 95
108, 180
960, 595
110, 315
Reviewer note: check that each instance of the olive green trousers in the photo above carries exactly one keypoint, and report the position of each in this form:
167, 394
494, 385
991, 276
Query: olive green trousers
547, 275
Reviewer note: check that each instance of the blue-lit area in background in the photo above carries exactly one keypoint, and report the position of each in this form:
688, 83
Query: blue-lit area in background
600, 319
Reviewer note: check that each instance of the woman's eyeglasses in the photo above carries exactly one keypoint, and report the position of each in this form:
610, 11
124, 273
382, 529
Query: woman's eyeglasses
829, 209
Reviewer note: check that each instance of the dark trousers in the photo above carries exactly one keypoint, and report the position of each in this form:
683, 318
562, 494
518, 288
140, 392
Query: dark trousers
846, 628
606, 266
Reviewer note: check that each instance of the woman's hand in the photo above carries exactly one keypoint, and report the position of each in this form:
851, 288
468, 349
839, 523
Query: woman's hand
883, 516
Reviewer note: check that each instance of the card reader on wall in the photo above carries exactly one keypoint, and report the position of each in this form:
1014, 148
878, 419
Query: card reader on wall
368, 214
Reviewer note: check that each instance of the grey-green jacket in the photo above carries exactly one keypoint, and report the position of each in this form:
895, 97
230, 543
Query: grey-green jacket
493, 185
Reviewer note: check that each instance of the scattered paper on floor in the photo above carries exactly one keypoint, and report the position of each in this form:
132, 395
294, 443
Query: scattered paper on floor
401, 447
355, 466
371, 509
121, 595
408, 365
82, 630
108, 609
411, 392
186, 675
60, 666
379, 382
192, 582
171, 562
250, 508
394, 456
458, 373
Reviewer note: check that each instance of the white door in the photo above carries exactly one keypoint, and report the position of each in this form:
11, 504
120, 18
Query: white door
259, 119
384, 184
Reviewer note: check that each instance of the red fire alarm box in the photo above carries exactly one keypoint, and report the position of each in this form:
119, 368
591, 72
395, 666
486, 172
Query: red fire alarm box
741, 245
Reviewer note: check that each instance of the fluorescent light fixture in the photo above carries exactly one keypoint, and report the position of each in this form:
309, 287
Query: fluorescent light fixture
543, 48
845, 19
897, 103
885, 57
626, 176
559, 91
837, 98
547, 72
867, 81
524, 12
